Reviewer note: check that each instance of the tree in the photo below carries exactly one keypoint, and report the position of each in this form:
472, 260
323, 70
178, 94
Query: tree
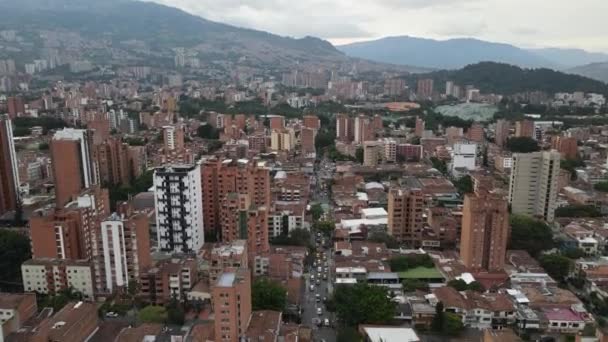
325, 227
571, 165
208, 132
153, 314
348, 334
363, 304
403, 263
382, 237
578, 210
446, 323
440, 165
268, 295
557, 266
438, 319
522, 145
411, 285
297, 237
461, 285
175, 313
464, 184
14, 250
573, 253
44, 146
324, 139
359, 155
601, 186
316, 210
533, 236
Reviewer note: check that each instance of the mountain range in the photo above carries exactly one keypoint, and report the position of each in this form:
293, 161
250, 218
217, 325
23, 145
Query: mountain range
161, 27
137, 30
457, 53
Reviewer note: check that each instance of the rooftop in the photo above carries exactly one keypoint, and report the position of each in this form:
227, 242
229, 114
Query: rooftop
421, 273
226, 279
390, 334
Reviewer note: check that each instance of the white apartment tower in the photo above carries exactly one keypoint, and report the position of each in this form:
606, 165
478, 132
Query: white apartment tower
533, 188
179, 208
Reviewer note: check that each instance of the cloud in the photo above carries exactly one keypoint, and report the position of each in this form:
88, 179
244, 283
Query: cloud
520, 22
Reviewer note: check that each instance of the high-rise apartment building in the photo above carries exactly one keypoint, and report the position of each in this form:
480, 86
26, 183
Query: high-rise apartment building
524, 128
69, 232
15, 106
395, 87
390, 150
485, 231
453, 135
277, 122
311, 121
123, 249
51, 276
231, 299
173, 137
307, 139
405, 215
178, 198
223, 256
502, 132
282, 140
419, 130
567, 146
9, 175
223, 176
113, 160
345, 130
425, 89
242, 220
74, 167
533, 187
168, 280
475, 132
372, 153
363, 130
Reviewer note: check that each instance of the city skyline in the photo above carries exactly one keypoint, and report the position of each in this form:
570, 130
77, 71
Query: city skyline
540, 25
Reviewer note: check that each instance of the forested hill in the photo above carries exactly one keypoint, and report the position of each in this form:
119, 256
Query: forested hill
500, 78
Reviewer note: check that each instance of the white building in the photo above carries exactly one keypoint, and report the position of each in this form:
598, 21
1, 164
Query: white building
49, 276
179, 208
390, 150
463, 156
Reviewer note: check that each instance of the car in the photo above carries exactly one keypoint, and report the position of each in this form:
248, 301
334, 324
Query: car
318, 282
325, 299
312, 287
319, 311
111, 314
326, 322
316, 321
312, 277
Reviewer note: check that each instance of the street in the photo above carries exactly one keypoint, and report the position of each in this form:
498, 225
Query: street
318, 278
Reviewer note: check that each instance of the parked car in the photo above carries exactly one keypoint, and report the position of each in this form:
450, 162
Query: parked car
326, 322
319, 311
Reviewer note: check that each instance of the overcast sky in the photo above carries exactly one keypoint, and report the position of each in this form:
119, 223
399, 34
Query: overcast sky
527, 23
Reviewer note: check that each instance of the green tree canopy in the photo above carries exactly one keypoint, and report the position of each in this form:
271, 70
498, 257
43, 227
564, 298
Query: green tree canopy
464, 184
578, 210
461, 285
383, 237
325, 227
522, 145
363, 304
403, 263
268, 295
208, 132
153, 314
557, 266
446, 323
316, 210
359, 155
14, 250
533, 236
601, 186
297, 237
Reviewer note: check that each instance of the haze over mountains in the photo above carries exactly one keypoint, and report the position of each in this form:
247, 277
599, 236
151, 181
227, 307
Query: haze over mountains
457, 53
129, 23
